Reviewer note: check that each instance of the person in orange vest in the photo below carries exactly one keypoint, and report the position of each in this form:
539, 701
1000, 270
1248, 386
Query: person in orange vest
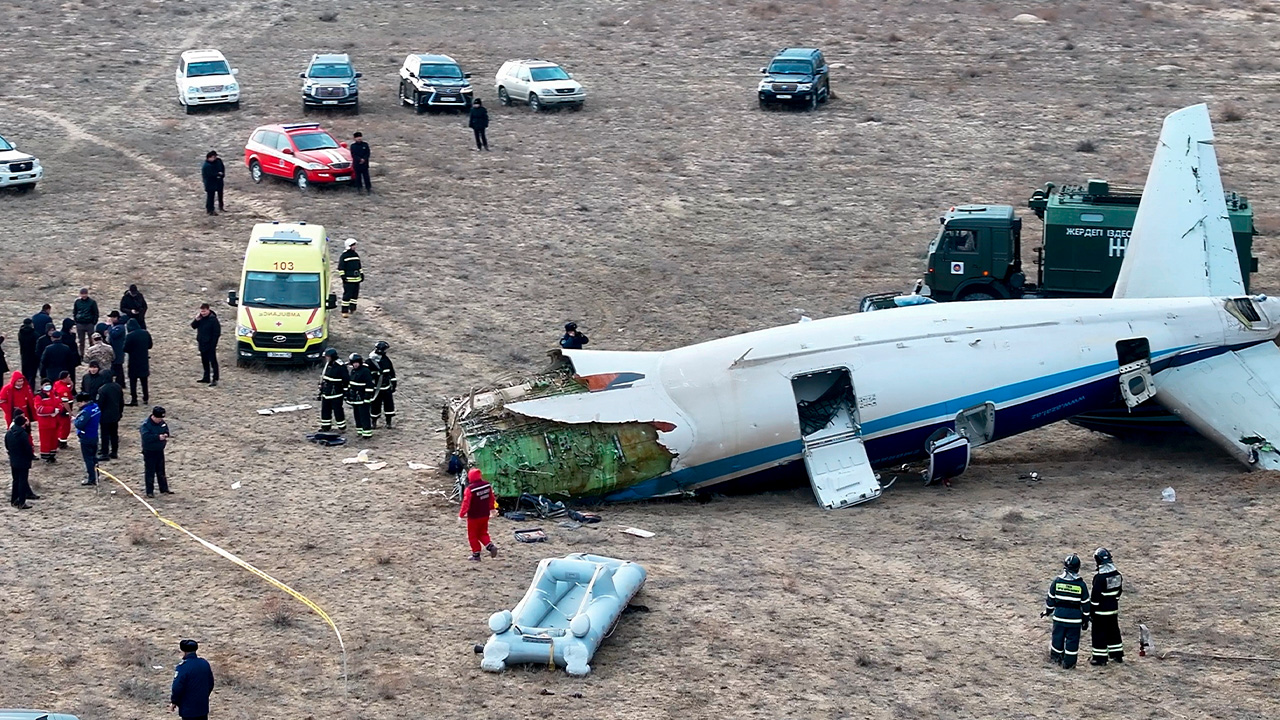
478, 502
48, 410
65, 390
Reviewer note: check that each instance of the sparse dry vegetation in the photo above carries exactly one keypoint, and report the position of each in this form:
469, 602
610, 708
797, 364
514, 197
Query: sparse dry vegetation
279, 613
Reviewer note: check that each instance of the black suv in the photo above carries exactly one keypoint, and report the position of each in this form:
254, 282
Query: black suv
795, 76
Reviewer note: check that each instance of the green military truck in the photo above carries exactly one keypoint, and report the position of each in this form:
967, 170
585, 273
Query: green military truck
977, 254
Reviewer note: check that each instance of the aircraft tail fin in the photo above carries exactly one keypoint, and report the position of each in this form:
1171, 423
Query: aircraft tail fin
1181, 244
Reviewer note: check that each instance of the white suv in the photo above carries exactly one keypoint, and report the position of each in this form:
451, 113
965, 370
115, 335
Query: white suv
18, 169
539, 83
204, 78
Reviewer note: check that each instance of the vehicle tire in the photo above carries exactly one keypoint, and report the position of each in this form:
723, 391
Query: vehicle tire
417, 103
355, 108
300, 179
575, 107
764, 105
255, 171
242, 363
503, 97
187, 108
403, 100
306, 109
534, 105
978, 295
813, 100
235, 105
826, 94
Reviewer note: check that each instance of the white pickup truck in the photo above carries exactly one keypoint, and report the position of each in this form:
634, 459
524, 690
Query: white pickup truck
18, 169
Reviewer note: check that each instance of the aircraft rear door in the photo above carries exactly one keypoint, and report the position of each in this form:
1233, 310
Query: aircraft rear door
834, 454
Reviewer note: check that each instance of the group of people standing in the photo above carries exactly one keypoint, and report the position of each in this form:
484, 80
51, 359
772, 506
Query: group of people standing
367, 385
1073, 607
110, 350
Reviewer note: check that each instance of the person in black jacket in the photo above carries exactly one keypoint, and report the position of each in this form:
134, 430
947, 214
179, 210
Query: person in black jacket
360, 391
1067, 601
573, 339
115, 337
155, 436
137, 347
4, 364
17, 441
134, 306
42, 320
384, 378
192, 684
212, 173
69, 339
93, 379
111, 403
478, 121
352, 274
360, 153
1108, 585
333, 388
84, 314
57, 359
208, 330
43, 342
27, 348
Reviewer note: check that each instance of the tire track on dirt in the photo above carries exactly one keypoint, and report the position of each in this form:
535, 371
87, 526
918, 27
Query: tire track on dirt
78, 132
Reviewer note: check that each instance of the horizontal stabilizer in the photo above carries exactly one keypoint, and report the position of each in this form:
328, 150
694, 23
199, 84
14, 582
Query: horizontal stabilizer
1181, 244
1233, 399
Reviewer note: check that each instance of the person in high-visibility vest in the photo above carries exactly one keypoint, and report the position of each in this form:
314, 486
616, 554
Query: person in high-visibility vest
478, 502
352, 275
1107, 586
1068, 602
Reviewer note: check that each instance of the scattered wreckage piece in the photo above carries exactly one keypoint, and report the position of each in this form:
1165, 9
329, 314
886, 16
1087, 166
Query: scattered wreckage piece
572, 604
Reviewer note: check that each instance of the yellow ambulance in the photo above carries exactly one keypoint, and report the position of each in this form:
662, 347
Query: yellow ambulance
284, 299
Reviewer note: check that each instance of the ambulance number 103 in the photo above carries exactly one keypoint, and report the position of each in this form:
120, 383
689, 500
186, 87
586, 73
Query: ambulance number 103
285, 265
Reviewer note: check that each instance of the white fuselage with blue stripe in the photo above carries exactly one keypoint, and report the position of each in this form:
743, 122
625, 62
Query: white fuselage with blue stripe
733, 407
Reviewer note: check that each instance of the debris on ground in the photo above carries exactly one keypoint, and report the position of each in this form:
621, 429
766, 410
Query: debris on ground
361, 457
376, 465
638, 532
283, 409
418, 466
1168, 495
531, 535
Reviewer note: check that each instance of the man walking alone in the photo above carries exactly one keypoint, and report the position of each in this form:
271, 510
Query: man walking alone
360, 153
208, 330
87, 422
17, 441
155, 436
85, 314
478, 121
192, 684
478, 502
212, 173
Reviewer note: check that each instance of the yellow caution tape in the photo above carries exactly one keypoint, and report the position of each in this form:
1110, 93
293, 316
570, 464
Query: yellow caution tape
247, 566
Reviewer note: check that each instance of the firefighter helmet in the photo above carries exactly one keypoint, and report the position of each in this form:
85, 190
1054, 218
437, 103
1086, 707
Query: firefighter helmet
1072, 563
382, 346
1102, 556
331, 353
355, 358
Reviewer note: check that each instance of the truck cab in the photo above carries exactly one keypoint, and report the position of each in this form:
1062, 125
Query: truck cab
283, 315
977, 255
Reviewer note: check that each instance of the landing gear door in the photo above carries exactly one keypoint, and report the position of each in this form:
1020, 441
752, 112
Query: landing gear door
834, 454
1136, 383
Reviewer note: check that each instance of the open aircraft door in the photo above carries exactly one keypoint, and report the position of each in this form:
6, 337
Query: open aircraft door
834, 454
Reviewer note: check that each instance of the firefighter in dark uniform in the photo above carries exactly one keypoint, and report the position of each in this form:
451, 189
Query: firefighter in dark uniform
1107, 586
352, 275
384, 375
360, 391
333, 388
1068, 602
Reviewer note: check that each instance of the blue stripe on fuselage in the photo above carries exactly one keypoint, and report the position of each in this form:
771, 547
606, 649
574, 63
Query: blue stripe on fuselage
888, 443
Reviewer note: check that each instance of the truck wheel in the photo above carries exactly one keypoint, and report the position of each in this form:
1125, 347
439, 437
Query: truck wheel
978, 295
255, 171
503, 97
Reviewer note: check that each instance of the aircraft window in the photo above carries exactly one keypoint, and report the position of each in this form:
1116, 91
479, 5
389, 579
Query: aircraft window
963, 240
1091, 217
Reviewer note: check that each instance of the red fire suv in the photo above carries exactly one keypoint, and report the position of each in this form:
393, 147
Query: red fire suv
303, 153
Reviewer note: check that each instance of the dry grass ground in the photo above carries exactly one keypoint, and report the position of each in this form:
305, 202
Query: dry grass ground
669, 211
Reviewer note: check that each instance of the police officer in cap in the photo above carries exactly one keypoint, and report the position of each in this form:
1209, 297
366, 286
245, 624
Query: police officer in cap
1107, 586
573, 340
1068, 602
192, 684
333, 388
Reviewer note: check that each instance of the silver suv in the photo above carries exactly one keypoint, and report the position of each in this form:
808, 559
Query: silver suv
330, 81
539, 83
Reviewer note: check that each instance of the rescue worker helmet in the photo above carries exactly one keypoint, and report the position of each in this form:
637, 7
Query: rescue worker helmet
1102, 556
355, 358
331, 353
382, 346
1072, 563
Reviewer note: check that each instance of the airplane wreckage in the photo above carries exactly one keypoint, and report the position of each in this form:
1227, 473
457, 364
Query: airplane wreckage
931, 382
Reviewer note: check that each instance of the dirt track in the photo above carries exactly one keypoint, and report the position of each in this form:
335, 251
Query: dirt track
669, 211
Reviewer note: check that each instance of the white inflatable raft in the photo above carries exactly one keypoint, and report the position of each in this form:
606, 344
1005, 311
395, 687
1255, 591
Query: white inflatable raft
572, 604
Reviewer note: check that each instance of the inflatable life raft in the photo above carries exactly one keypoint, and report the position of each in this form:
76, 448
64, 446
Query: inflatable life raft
572, 604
